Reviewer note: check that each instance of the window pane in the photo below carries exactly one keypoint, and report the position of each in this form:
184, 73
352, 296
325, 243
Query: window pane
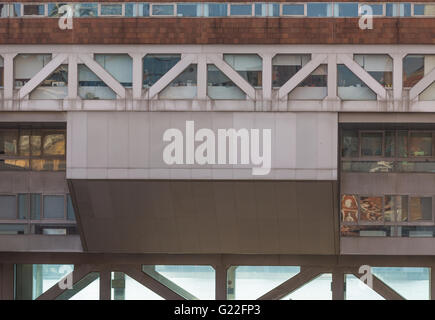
34, 9
273, 10
220, 86
396, 208
35, 206
293, 9
350, 87
389, 143
120, 66
163, 9
54, 207
144, 9
402, 143
188, 9
319, 10
377, 9
379, 66
24, 143
156, 65
86, 10
371, 209
371, 144
420, 209
8, 142
346, 9
285, 66
260, 9
249, 66
54, 144
413, 70
183, 87
36, 143
70, 209
349, 208
314, 87
130, 10
111, 9
350, 143
215, 10
241, 9
420, 144
8, 207
23, 206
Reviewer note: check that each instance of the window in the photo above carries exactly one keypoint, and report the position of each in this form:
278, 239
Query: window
215, 9
420, 144
4, 8
33, 148
86, 10
23, 206
371, 209
388, 215
144, 9
313, 87
33, 9
26, 66
220, 86
350, 143
350, 87
35, 206
249, 66
293, 9
8, 207
345, 9
91, 87
55, 86
189, 9
424, 9
241, 9
54, 207
379, 66
111, 9
130, 10
398, 9
162, 9
377, 9
70, 209
156, 65
420, 209
183, 87
285, 66
120, 66
317, 9
415, 67
371, 144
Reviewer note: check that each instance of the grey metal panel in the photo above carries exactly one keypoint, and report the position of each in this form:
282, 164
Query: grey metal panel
392, 246
40, 243
387, 183
179, 216
32, 182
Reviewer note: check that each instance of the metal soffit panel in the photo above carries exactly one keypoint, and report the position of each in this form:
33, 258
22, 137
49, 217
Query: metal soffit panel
213, 217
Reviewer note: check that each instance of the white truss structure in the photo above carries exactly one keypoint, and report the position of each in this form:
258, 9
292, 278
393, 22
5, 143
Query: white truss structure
257, 99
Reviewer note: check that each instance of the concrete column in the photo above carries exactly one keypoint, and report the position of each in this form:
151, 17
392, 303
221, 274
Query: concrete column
105, 284
6, 281
338, 285
8, 75
231, 283
221, 282
24, 282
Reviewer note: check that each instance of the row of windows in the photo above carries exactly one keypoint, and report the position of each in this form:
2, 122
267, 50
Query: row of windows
348, 9
249, 66
37, 149
36, 206
388, 215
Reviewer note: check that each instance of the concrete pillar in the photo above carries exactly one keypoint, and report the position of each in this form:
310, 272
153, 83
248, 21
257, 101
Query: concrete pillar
231, 283
24, 282
338, 285
221, 282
